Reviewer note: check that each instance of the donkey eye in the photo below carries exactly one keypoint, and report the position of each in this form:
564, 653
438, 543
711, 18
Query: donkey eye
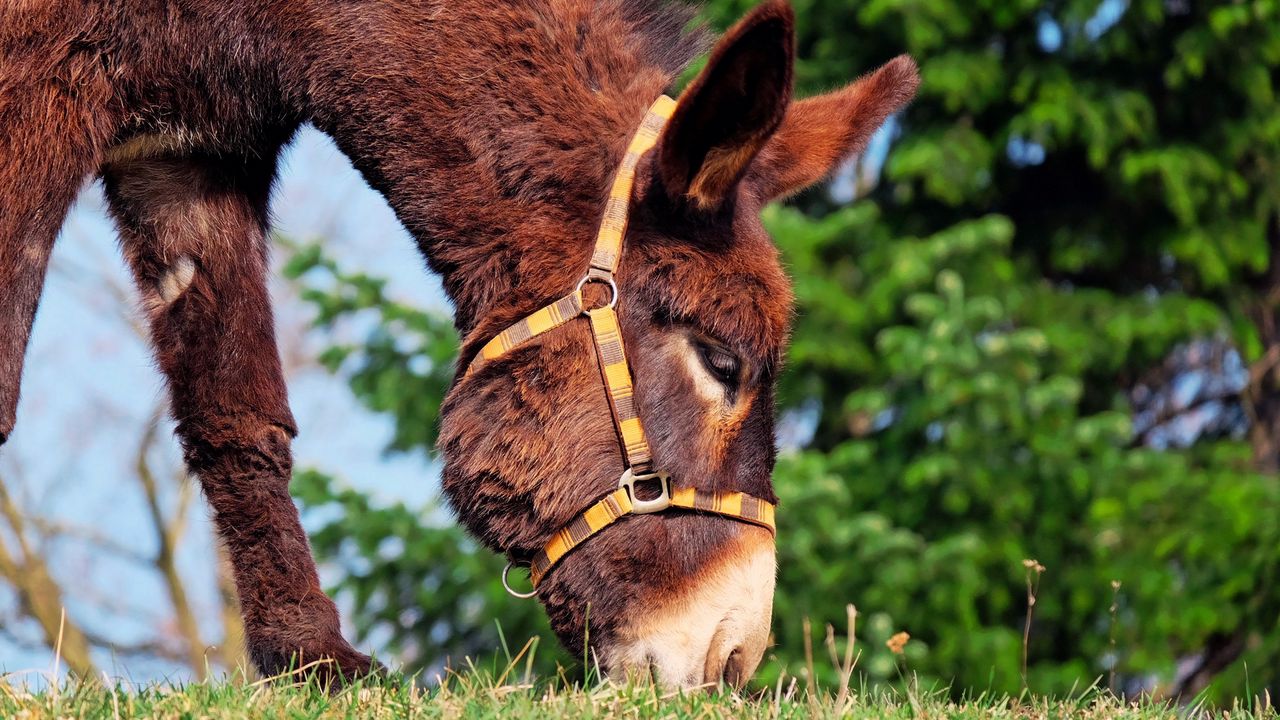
721, 363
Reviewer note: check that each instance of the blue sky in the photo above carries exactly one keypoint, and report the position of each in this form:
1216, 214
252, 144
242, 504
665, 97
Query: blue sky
90, 388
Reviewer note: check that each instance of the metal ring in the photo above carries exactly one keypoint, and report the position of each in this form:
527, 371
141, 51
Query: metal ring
505, 584
606, 279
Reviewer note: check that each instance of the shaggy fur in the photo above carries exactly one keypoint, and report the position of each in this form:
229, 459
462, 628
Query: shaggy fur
493, 129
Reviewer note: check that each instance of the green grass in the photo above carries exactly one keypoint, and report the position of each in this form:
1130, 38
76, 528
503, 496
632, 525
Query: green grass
509, 689
480, 695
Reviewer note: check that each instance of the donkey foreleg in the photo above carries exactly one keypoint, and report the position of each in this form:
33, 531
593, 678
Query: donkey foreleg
194, 233
28, 226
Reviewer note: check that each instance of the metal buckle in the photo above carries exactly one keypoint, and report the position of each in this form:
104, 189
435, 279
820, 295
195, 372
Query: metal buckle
652, 505
601, 278
506, 585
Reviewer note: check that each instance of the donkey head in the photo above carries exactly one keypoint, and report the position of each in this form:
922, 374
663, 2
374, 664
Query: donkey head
704, 310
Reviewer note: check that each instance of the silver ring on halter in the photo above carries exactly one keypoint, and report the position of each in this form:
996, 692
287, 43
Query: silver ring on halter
505, 584
601, 278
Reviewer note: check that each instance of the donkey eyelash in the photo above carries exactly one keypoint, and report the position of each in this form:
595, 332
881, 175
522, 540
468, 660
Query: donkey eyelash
722, 364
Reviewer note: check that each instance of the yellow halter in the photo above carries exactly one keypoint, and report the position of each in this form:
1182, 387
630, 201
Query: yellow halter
616, 374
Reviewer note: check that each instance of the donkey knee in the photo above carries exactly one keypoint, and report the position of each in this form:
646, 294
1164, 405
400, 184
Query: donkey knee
230, 448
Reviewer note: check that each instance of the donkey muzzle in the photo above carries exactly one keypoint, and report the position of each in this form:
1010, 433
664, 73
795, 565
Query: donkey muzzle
716, 631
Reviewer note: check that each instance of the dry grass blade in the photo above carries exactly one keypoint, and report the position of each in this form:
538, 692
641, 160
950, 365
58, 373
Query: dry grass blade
1033, 569
846, 668
810, 680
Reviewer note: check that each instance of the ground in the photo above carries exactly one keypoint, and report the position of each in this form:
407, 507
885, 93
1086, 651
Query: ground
480, 695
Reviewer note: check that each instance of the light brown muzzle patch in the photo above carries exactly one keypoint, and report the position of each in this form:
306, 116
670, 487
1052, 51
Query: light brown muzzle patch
715, 631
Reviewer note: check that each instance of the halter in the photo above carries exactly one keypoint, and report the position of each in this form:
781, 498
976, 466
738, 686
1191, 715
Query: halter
616, 375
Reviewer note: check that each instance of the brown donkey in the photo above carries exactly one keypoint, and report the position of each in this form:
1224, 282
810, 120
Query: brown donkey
495, 130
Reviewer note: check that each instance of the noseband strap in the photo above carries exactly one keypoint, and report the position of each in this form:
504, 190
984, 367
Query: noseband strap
616, 375
736, 505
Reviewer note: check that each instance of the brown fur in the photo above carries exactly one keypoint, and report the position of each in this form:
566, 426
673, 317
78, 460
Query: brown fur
494, 130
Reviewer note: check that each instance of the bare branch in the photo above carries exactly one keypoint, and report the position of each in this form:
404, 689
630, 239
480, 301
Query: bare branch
168, 534
39, 595
152, 648
55, 529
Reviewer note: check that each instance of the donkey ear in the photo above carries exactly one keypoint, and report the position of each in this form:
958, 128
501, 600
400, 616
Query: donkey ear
819, 132
725, 116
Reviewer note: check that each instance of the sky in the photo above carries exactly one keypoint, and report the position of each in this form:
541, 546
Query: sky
90, 388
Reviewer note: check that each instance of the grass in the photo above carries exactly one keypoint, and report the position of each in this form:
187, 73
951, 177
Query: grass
510, 690
477, 694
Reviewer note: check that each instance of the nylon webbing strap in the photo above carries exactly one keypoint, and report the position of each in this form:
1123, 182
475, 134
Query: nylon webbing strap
614, 225
548, 318
596, 518
604, 513
604, 321
617, 380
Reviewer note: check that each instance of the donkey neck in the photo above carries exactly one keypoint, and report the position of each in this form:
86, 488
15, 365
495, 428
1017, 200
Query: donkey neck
493, 129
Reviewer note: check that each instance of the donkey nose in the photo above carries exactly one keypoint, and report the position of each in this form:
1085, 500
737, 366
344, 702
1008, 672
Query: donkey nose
715, 631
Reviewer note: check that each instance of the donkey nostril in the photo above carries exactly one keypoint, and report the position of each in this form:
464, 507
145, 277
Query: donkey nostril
735, 674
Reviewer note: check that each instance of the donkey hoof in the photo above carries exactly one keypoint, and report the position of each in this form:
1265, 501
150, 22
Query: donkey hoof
332, 667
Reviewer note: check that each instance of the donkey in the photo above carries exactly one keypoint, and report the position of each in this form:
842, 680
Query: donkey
495, 131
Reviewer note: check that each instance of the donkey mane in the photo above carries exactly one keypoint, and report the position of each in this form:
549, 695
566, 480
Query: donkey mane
531, 109
560, 115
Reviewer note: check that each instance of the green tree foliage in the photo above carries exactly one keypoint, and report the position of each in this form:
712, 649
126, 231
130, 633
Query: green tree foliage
417, 584
958, 436
1081, 189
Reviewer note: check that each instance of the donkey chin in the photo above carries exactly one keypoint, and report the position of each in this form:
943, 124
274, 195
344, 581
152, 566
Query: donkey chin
716, 631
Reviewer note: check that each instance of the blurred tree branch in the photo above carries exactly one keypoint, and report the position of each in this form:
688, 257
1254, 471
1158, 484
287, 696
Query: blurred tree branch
169, 532
39, 595
232, 650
